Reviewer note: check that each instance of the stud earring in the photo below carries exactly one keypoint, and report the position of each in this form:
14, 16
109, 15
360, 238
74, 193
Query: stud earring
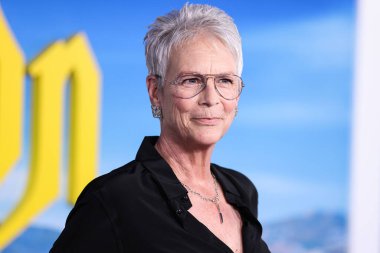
156, 111
236, 111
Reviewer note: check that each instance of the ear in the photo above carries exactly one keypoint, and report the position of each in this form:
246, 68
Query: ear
153, 89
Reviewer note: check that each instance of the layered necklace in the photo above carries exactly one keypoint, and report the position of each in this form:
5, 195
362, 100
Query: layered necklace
215, 200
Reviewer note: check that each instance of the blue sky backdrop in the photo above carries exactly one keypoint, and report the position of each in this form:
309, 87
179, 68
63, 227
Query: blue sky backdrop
292, 133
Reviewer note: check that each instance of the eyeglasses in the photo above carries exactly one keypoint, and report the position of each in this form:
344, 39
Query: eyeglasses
228, 86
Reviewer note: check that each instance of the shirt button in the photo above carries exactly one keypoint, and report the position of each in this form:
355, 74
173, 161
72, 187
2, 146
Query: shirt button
179, 211
185, 199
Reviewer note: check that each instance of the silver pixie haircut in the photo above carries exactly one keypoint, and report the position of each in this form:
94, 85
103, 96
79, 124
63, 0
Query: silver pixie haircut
178, 27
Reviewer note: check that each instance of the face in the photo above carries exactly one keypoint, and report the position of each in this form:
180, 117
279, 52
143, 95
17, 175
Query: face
201, 120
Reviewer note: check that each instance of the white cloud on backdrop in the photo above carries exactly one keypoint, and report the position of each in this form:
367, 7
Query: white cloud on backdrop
325, 42
294, 114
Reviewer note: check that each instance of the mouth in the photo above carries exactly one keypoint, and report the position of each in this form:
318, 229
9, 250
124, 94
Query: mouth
208, 121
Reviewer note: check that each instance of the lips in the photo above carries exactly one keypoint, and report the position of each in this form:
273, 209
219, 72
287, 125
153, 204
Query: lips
207, 120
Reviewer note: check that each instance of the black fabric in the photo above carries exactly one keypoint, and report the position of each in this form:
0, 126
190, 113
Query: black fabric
142, 207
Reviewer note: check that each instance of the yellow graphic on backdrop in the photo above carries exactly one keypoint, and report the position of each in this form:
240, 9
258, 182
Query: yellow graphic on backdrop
11, 94
62, 61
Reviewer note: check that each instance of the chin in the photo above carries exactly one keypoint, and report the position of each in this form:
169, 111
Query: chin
207, 139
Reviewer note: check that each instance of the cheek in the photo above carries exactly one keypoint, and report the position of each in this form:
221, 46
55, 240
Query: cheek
180, 111
172, 107
230, 107
230, 111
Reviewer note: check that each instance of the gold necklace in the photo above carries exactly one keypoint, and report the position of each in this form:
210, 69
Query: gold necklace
215, 200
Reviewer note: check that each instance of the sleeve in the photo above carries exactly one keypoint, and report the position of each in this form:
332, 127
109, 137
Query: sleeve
261, 246
88, 229
253, 196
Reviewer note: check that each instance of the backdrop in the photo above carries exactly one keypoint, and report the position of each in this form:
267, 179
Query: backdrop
290, 137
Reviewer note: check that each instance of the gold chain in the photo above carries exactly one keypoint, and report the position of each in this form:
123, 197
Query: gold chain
215, 200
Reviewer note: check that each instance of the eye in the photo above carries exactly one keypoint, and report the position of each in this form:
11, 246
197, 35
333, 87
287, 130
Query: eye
224, 81
190, 81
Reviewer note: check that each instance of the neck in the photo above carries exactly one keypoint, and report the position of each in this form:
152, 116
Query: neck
188, 163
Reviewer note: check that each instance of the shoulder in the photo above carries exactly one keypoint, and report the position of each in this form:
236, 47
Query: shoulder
119, 182
93, 223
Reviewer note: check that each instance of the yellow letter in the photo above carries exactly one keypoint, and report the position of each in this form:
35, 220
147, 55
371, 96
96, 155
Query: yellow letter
85, 103
49, 72
11, 95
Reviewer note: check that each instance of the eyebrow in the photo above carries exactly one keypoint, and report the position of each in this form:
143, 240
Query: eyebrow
197, 73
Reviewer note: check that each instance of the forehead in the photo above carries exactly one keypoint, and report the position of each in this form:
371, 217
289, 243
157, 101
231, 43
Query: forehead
202, 54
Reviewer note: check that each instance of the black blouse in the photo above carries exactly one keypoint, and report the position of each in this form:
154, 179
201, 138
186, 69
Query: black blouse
142, 207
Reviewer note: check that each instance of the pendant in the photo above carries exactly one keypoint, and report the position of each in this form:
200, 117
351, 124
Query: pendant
220, 213
221, 217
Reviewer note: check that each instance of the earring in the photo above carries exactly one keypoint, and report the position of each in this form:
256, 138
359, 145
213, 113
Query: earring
156, 111
236, 111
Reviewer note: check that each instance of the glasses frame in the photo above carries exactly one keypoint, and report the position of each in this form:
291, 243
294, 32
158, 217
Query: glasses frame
204, 78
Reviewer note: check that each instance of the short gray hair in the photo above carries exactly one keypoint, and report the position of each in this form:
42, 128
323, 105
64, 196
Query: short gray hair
177, 27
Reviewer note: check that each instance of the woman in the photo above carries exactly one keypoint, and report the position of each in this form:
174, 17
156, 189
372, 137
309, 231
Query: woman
171, 198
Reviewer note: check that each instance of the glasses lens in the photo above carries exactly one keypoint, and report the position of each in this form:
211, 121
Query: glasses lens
228, 86
187, 86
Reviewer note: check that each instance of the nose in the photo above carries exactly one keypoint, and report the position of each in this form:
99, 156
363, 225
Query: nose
209, 96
